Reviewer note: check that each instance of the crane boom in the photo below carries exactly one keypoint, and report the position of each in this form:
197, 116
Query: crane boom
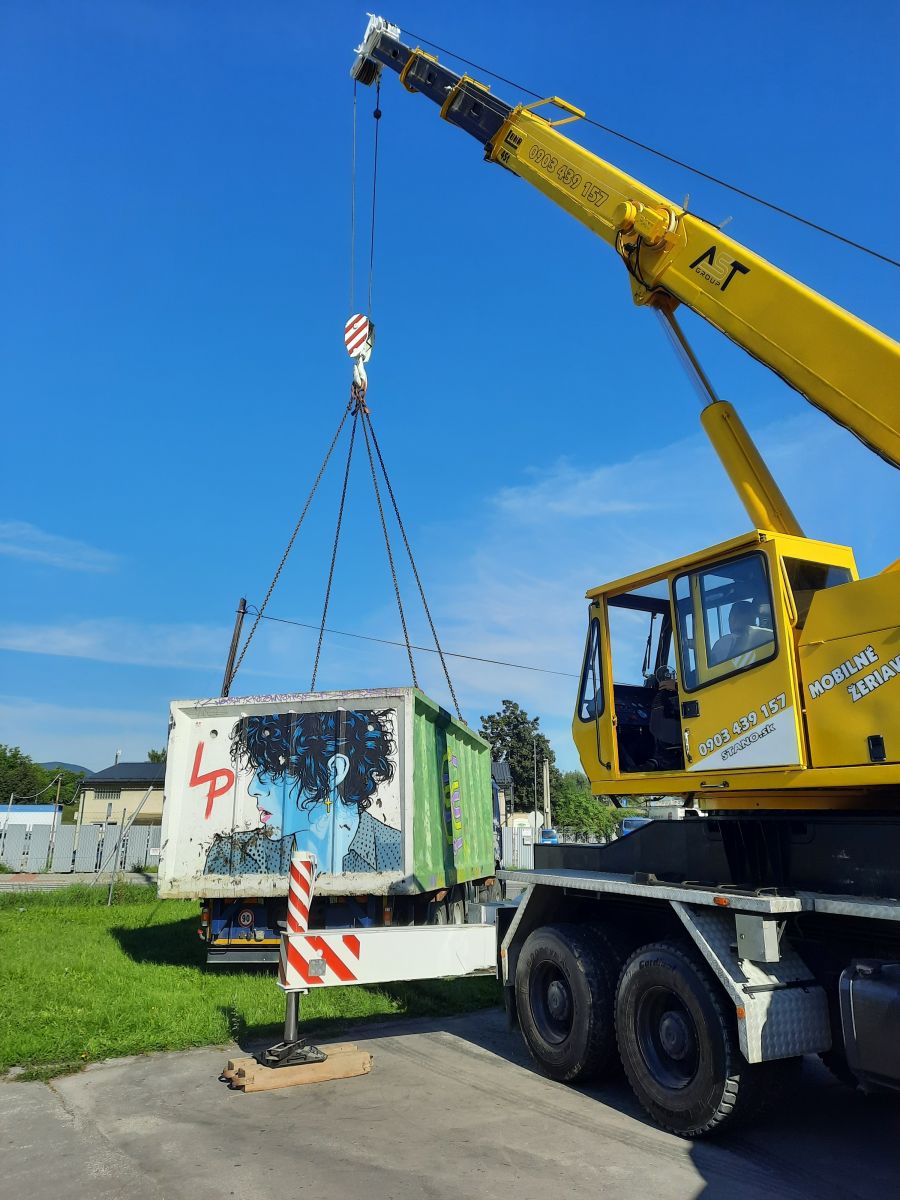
843, 366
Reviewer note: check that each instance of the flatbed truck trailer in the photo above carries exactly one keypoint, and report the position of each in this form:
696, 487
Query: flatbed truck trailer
708, 995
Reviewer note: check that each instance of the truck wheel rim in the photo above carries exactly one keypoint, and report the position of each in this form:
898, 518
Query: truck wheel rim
551, 1003
667, 1037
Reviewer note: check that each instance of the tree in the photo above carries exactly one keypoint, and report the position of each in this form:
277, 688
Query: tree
514, 736
578, 810
157, 756
18, 774
26, 779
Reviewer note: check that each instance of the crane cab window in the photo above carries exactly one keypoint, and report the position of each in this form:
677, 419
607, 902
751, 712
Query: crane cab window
590, 700
645, 692
725, 621
807, 578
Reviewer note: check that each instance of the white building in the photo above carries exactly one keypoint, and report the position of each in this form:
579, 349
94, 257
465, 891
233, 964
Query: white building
30, 815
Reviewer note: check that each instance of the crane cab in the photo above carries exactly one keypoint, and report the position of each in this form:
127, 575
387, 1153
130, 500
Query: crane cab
712, 676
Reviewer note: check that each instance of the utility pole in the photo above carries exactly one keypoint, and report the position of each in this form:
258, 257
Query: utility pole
235, 639
546, 781
534, 747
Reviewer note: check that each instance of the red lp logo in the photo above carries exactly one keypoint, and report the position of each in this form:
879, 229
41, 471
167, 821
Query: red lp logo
219, 781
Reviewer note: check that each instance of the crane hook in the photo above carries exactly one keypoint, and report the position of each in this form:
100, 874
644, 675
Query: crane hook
359, 337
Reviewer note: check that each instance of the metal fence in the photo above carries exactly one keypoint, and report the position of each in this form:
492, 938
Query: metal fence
517, 844
518, 848
78, 848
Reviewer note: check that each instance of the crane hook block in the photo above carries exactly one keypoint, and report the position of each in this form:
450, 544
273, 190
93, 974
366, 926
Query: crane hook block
359, 337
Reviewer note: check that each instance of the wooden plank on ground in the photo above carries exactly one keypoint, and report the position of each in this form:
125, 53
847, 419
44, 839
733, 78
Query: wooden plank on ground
345, 1064
236, 1064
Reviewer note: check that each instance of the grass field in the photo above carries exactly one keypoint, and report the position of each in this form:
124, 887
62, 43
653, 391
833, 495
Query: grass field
80, 982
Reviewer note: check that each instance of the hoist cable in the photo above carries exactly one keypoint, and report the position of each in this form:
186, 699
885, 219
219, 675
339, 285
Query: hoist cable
289, 547
377, 115
387, 544
412, 562
334, 550
350, 310
731, 187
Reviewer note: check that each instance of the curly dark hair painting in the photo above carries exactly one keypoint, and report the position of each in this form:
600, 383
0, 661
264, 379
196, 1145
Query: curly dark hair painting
297, 748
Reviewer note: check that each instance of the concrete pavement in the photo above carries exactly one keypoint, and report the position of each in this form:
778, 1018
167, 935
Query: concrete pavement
451, 1109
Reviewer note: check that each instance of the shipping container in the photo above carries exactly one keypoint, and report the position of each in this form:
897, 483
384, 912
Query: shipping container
388, 790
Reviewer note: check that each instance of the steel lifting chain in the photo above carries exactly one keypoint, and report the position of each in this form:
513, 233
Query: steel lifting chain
334, 549
367, 422
359, 338
387, 546
289, 547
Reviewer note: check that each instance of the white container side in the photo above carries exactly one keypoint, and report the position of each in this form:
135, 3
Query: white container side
249, 778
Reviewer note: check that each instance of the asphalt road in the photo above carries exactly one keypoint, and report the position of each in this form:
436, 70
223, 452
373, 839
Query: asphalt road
452, 1109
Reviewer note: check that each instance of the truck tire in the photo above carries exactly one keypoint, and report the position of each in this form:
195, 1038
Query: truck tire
564, 997
679, 1045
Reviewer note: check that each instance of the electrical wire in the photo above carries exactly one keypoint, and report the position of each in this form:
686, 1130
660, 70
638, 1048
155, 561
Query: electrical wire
364, 637
731, 187
40, 793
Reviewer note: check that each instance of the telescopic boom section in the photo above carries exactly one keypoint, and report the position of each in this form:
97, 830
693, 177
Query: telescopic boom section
843, 366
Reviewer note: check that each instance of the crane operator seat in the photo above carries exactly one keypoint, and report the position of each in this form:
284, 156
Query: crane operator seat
744, 636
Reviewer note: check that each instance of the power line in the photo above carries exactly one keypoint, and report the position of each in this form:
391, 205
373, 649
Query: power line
363, 637
731, 187
41, 792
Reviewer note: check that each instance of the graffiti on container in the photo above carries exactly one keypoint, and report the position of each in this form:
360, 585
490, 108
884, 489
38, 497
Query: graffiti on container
453, 824
314, 780
220, 782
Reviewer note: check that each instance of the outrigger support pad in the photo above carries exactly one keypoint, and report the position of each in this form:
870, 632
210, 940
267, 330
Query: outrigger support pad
294, 1051
292, 1054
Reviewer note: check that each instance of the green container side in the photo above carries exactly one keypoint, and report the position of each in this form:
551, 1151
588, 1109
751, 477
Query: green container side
453, 827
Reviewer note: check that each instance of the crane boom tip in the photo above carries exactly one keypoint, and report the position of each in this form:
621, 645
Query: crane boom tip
365, 69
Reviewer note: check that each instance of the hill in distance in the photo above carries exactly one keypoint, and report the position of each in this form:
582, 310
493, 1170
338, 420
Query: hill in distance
61, 766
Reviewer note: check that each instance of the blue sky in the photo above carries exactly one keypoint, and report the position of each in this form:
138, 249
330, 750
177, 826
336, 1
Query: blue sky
174, 232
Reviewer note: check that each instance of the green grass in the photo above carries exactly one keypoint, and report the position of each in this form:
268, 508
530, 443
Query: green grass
81, 982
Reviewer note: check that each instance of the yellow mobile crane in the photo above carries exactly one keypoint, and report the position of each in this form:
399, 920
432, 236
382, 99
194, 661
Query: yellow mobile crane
771, 695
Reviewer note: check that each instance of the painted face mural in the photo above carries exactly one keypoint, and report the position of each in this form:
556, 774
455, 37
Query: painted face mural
314, 779
268, 793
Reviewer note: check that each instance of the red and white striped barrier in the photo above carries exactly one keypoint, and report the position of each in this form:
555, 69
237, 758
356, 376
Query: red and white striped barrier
311, 960
336, 957
386, 954
301, 882
300, 890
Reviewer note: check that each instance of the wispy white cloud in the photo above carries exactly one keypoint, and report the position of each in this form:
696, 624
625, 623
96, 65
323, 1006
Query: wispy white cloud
517, 592
519, 595
19, 539
112, 640
87, 736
